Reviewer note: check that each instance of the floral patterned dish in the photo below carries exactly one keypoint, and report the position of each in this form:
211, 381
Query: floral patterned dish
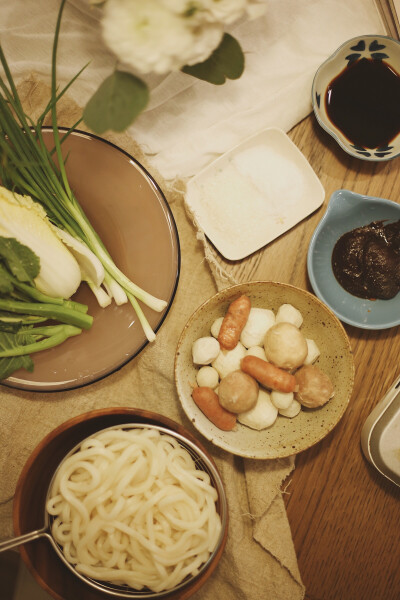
374, 48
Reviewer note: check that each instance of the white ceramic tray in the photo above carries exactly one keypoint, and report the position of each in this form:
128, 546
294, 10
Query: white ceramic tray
254, 193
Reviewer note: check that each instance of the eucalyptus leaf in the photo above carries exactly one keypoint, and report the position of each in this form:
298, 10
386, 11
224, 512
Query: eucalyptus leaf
226, 62
116, 104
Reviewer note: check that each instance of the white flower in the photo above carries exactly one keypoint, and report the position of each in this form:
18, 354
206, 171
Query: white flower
149, 36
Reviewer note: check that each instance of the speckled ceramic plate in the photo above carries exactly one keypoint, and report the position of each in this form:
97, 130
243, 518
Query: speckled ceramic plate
287, 436
129, 211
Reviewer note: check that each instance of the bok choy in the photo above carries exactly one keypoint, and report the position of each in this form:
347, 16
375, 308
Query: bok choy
27, 167
24, 310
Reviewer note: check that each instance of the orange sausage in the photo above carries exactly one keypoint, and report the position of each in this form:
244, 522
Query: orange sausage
268, 375
208, 402
233, 323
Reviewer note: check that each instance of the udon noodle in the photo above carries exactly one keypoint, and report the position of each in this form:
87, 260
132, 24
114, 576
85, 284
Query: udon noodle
131, 508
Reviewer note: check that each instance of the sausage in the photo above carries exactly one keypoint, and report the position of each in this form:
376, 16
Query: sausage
268, 375
234, 322
208, 402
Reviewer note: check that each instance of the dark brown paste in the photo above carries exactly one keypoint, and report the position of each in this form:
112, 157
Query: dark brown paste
366, 260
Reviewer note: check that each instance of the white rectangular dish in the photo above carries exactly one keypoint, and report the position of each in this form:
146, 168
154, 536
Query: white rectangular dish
254, 193
380, 435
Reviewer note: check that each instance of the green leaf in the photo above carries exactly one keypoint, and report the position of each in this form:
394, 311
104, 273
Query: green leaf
10, 364
117, 103
226, 62
22, 262
6, 285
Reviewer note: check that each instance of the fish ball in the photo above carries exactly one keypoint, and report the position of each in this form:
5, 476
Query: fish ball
256, 351
281, 400
257, 325
313, 352
205, 350
229, 360
216, 326
285, 346
315, 387
238, 392
207, 377
262, 415
292, 410
289, 314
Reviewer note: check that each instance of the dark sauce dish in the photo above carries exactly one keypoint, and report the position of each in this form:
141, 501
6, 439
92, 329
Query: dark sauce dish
356, 97
348, 211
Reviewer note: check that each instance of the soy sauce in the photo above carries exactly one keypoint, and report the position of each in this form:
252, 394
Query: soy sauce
363, 102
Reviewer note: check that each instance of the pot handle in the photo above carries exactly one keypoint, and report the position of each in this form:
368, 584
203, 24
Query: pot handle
22, 539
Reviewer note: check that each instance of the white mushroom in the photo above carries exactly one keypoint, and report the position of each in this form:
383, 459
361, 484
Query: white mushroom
256, 351
257, 325
281, 400
313, 352
205, 350
263, 414
229, 360
207, 377
289, 314
292, 410
216, 326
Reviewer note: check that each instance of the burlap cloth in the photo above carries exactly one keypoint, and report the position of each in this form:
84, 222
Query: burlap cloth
259, 561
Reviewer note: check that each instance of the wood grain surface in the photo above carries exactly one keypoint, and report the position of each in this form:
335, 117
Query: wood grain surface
344, 515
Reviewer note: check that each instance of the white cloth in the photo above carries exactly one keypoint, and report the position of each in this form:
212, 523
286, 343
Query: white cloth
189, 122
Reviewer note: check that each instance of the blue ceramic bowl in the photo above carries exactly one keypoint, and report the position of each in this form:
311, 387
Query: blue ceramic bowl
346, 211
375, 48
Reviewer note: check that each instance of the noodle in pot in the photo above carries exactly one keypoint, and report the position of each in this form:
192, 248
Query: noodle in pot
131, 508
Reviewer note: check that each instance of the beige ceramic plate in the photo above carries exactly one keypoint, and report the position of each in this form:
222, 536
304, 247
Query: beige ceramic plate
131, 215
286, 436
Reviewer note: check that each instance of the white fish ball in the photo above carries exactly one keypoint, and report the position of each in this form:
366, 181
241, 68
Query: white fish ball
289, 314
313, 352
229, 360
262, 415
292, 410
256, 351
257, 325
207, 376
281, 400
205, 350
216, 326
285, 346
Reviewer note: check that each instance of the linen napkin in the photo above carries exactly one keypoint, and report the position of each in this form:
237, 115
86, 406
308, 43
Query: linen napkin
189, 122
259, 560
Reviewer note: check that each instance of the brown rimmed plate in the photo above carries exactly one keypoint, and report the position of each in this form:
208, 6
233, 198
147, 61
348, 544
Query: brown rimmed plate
130, 213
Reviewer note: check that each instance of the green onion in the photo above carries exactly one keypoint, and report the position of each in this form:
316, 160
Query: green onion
27, 166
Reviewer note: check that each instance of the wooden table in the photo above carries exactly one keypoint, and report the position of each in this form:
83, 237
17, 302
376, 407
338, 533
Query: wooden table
344, 515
